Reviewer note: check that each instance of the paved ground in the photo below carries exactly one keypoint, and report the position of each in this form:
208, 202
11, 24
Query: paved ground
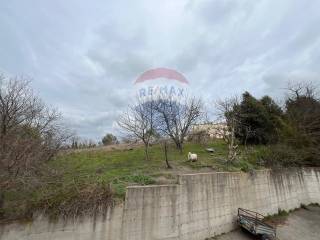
301, 225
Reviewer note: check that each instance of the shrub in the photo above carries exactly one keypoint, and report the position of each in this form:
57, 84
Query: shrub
109, 139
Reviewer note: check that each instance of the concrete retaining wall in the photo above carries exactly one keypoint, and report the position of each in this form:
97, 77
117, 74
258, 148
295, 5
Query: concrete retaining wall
199, 206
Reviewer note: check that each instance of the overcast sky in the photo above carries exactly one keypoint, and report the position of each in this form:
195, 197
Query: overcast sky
84, 56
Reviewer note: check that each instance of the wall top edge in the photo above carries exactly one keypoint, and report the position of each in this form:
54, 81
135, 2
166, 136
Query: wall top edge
240, 172
151, 186
217, 173
211, 173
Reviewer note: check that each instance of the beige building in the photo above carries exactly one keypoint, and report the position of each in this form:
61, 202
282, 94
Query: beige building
213, 130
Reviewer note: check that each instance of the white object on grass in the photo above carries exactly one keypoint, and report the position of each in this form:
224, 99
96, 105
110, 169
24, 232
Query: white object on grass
192, 157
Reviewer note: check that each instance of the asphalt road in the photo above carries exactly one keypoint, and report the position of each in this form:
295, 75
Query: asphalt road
302, 224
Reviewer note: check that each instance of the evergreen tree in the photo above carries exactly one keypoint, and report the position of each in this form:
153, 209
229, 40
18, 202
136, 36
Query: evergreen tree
109, 139
275, 115
258, 121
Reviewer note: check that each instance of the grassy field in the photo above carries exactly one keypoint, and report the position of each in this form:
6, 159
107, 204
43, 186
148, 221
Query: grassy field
92, 176
125, 167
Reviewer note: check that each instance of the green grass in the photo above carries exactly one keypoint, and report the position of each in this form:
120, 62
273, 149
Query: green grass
81, 172
108, 166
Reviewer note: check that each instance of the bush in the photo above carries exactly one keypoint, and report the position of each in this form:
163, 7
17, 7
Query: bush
109, 139
282, 155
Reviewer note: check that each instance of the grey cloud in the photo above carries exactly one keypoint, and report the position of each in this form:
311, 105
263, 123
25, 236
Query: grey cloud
214, 12
119, 54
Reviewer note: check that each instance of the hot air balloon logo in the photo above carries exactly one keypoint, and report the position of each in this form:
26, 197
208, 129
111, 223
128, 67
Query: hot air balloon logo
161, 83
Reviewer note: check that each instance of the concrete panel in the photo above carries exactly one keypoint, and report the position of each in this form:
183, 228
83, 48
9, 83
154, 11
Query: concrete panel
198, 207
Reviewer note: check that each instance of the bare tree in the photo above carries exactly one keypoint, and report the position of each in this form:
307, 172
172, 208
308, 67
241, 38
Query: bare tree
30, 132
175, 118
302, 89
228, 112
138, 122
164, 142
303, 116
75, 142
303, 109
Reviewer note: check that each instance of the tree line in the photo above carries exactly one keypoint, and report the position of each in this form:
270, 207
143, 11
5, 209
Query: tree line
292, 130
31, 133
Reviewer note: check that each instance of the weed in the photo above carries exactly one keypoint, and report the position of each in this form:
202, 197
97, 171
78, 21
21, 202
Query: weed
314, 204
282, 213
303, 206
